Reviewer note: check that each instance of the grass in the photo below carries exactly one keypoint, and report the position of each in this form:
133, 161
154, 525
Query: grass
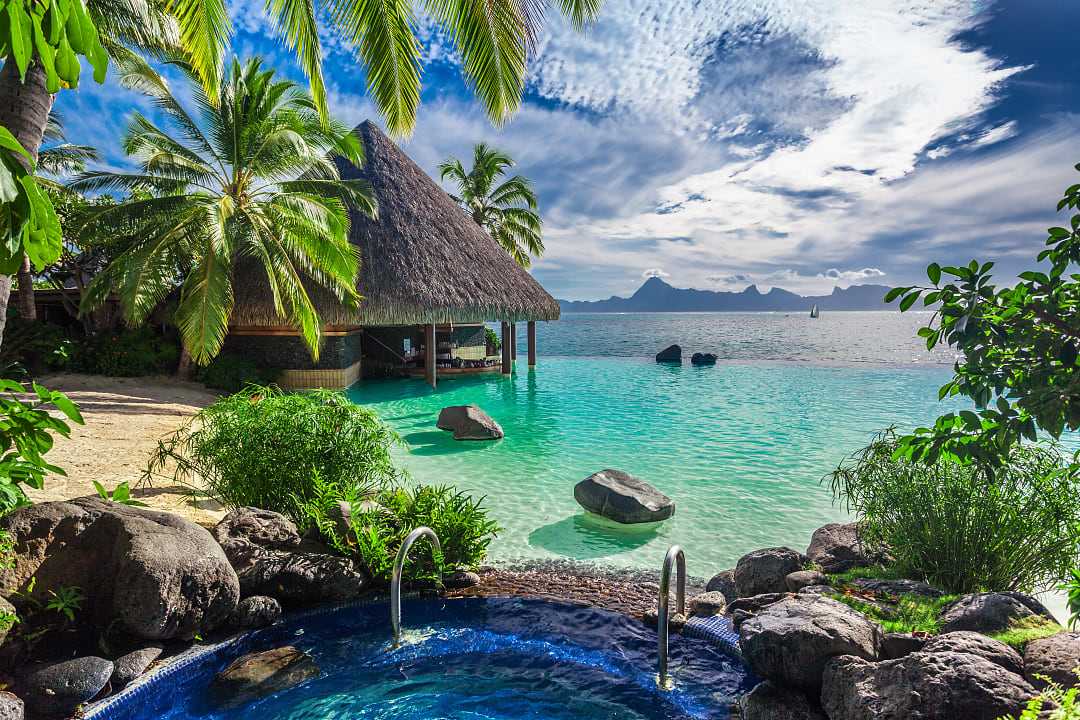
909, 613
866, 572
1021, 632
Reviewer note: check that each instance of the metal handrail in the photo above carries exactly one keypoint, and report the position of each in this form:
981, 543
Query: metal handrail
676, 556
395, 581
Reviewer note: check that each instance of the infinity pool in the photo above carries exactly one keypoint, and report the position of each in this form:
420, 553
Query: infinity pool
475, 659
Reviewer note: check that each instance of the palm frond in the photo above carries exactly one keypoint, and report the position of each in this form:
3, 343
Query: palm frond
205, 29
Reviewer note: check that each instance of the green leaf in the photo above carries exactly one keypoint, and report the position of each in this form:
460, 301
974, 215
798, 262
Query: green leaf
101, 491
8, 142
21, 37
895, 293
933, 271
908, 301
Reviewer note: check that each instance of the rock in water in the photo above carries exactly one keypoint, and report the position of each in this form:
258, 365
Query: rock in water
836, 548
765, 571
469, 422
167, 578
990, 612
790, 641
260, 674
1055, 657
924, 685
623, 498
57, 689
670, 354
702, 359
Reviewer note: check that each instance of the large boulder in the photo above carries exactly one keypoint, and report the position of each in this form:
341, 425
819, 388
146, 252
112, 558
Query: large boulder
770, 701
259, 674
990, 612
836, 548
469, 422
623, 498
670, 354
791, 640
280, 566
166, 577
973, 643
1055, 657
922, 685
57, 689
766, 570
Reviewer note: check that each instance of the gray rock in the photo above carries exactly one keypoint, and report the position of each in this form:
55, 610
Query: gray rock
800, 579
460, 579
167, 577
130, 666
255, 612
990, 612
973, 643
723, 582
469, 422
57, 689
286, 568
897, 645
764, 571
791, 640
898, 587
707, 604
670, 354
257, 675
755, 603
702, 359
817, 590
770, 701
836, 548
1054, 657
922, 685
676, 621
11, 706
623, 498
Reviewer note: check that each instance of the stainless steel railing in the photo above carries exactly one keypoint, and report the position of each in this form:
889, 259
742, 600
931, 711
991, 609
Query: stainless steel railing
395, 581
675, 556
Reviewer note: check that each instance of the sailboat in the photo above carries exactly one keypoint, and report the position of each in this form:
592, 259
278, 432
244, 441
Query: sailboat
814, 312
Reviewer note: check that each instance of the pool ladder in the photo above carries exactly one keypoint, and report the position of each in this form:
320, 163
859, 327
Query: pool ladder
395, 581
675, 556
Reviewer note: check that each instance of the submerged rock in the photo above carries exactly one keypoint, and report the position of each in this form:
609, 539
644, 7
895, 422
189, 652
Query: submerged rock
1055, 657
836, 548
469, 422
623, 498
57, 689
770, 701
924, 685
259, 674
670, 354
791, 640
990, 612
167, 578
765, 571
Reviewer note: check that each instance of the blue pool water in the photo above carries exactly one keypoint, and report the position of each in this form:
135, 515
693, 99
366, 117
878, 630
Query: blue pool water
475, 659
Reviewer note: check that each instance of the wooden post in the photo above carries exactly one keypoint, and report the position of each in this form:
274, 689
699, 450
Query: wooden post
513, 341
429, 355
507, 364
532, 342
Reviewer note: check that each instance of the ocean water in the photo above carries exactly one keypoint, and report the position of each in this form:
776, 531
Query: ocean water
741, 447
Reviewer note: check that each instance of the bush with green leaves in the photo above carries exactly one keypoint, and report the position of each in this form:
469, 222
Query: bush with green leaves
233, 373
127, 353
1072, 594
379, 521
1054, 702
967, 527
262, 447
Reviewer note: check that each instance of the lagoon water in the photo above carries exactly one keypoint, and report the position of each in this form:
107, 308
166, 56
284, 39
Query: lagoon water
741, 447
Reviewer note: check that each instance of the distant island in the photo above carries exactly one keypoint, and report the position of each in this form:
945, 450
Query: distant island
657, 296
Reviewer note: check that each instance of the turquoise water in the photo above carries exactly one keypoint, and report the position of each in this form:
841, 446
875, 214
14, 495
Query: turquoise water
741, 448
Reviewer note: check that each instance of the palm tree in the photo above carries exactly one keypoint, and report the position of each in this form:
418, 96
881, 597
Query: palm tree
60, 157
252, 181
498, 208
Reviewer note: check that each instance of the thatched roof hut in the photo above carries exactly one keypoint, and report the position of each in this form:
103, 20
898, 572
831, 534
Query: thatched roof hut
424, 260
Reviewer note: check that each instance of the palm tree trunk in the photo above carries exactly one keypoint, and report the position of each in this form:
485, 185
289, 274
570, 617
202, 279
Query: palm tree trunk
183, 369
24, 110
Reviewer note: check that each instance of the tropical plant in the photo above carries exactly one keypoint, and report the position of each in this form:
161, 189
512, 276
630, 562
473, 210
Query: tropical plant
232, 373
966, 527
261, 447
59, 157
121, 494
1019, 348
126, 353
1059, 703
506, 210
253, 182
26, 435
1072, 593
66, 600
491, 339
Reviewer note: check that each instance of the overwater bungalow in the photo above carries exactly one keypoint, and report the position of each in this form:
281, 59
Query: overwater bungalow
430, 278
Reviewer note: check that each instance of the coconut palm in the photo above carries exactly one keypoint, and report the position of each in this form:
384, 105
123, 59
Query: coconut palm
246, 180
507, 210
59, 157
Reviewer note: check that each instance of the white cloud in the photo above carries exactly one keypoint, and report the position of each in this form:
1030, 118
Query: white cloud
997, 134
655, 273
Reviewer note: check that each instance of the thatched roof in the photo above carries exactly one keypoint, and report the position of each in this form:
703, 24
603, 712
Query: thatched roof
424, 260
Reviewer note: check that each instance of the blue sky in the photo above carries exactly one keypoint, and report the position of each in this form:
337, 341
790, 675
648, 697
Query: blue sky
716, 143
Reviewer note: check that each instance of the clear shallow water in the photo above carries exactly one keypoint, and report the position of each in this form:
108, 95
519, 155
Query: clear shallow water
481, 659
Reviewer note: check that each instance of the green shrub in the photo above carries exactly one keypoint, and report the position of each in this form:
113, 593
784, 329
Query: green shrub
128, 353
262, 447
1021, 632
232, 373
28, 342
1072, 593
967, 527
1061, 704
380, 520
910, 613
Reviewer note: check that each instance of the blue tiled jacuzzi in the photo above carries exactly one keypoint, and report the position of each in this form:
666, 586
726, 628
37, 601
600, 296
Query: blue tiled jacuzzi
475, 658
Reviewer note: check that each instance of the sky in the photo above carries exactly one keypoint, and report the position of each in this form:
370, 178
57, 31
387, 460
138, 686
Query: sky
802, 144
